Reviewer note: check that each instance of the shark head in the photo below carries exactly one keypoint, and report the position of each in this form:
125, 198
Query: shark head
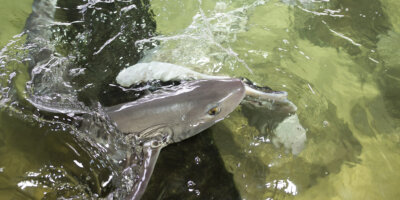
184, 110
211, 102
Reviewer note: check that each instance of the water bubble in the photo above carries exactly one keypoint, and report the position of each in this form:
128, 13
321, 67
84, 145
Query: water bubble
191, 183
325, 123
197, 160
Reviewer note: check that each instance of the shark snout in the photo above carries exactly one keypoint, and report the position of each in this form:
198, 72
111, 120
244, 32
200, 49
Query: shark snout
227, 93
232, 90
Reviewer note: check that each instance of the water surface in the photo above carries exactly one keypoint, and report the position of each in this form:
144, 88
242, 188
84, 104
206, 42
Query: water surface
337, 59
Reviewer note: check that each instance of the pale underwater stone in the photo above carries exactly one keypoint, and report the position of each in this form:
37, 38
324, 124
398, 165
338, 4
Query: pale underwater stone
290, 134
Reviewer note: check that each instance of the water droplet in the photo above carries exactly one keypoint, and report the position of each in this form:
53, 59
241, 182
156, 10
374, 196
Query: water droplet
191, 183
325, 123
197, 160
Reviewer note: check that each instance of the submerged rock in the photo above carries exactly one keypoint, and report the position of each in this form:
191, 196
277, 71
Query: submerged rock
290, 134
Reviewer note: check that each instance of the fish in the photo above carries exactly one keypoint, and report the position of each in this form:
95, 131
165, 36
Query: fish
148, 124
171, 116
289, 132
144, 126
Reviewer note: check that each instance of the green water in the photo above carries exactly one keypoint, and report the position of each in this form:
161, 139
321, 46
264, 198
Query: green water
337, 59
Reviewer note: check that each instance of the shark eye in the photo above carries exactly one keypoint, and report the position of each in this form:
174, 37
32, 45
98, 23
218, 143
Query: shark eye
214, 111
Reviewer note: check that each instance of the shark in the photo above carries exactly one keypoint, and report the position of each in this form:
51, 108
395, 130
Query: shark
168, 117
143, 127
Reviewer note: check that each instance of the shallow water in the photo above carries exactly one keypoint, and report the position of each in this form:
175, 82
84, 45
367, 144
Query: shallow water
337, 59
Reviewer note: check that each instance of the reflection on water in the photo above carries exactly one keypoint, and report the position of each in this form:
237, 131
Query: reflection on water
337, 60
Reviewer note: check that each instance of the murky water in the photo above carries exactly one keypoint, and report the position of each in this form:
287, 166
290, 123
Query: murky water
337, 59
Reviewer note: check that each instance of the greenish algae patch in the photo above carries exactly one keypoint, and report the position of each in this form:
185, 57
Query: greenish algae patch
391, 8
374, 178
15, 72
13, 15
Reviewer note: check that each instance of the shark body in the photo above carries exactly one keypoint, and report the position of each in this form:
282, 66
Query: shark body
171, 116
144, 126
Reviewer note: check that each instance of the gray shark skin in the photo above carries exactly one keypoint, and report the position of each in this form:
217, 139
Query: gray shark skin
171, 116
184, 110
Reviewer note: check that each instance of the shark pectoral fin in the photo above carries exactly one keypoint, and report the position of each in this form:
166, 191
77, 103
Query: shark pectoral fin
151, 150
142, 153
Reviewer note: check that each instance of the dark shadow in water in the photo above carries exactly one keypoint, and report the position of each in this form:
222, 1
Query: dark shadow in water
389, 75
360, 120
354, 25
381, 121
104, 42
191, 169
